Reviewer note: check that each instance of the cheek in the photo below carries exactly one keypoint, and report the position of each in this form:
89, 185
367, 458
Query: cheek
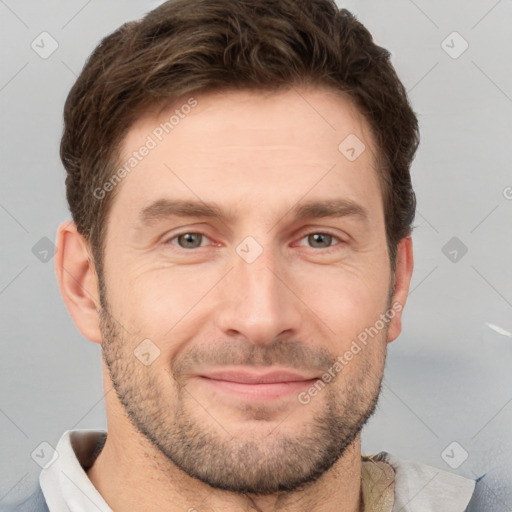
171, 303
346, 299
159, 302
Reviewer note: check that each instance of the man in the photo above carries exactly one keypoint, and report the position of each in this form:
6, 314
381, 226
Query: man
238, 178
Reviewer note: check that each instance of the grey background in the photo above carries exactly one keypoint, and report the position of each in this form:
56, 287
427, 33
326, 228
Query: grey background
448, 376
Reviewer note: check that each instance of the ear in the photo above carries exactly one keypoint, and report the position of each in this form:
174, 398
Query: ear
78, 281
403, 273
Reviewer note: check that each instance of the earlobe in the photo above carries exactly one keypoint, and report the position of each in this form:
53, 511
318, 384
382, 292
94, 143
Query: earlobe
78, 280
403, 274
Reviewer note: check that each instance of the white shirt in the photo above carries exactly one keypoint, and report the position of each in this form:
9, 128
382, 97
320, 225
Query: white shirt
389, 483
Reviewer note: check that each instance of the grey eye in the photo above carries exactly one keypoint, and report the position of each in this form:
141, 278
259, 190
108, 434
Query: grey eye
321, 239
190, 240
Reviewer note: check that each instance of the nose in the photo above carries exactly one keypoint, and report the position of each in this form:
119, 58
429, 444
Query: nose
258, 300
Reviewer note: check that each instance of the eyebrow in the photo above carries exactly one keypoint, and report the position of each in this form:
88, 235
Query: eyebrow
163, 209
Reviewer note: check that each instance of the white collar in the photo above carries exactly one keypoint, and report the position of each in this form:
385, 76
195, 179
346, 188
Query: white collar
64, 482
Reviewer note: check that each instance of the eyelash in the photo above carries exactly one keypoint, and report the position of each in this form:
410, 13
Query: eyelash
325, 250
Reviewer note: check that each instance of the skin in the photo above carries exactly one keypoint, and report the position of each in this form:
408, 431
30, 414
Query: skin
175, 442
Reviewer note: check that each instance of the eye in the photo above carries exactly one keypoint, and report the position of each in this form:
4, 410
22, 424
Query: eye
320, 240
315, 240
188, 240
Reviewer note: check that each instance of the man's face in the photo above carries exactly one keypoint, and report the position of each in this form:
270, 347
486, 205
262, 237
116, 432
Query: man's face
257, 290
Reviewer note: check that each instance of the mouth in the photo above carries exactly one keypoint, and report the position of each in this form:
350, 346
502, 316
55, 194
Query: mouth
256, 385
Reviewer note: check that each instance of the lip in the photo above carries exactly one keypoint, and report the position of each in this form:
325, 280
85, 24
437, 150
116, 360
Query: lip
255, 377
257, 385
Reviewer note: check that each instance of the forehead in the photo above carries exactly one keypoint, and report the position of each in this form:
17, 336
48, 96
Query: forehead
247, 147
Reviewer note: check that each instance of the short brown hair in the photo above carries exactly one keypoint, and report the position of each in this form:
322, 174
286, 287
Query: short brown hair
194, 46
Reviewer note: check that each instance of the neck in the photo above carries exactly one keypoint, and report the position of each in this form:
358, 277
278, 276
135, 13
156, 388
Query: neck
132, 474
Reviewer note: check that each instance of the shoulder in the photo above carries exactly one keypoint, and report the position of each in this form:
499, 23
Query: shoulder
34, 503
493, 492
419, 486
